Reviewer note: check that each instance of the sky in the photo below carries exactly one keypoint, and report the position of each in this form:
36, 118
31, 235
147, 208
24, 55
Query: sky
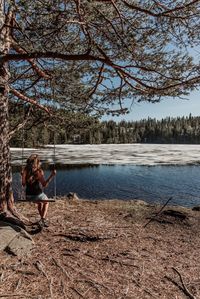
173, 107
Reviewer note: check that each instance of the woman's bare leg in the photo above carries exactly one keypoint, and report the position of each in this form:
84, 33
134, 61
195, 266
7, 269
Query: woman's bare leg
44, 209
40, 208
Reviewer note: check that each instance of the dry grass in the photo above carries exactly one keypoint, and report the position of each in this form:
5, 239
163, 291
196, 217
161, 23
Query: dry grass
100, 249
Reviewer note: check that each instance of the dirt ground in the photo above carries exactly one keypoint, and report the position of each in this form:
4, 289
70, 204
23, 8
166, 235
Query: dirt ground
102, 249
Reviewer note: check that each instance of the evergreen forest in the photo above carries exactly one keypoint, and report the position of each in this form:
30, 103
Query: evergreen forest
83, 129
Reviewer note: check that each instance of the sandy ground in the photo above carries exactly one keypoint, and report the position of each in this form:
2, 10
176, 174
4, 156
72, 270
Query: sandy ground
101, 249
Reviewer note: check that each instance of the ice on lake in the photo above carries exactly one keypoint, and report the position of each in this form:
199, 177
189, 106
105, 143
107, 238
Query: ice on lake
136, 154
121, 171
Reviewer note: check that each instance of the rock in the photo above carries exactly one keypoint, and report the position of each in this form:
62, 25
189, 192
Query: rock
19, 246
72, 196
7, 234
140, 202
15, 240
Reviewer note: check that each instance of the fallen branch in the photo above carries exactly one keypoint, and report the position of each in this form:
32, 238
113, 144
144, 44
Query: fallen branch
61, 267
16, 295
40, 268
118, 262
50, 281
63, 288
149, 293
158, 213
184, 288
77, 292
18, 284
92, 283
81, 237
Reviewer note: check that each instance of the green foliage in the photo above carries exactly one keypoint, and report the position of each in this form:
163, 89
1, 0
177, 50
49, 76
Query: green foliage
63, 127
81, 128
168, 130
86, 58
104, 52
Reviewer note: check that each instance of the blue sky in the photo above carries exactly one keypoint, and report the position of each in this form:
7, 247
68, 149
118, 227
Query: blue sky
173, 107
168, 107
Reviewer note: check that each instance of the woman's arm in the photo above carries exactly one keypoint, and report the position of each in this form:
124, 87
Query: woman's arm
42, 178
23, 177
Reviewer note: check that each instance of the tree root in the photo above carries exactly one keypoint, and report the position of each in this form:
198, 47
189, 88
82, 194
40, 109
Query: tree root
40, 267
61, 267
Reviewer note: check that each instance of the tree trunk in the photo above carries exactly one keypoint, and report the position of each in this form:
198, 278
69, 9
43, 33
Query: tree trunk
5, 165
6, 196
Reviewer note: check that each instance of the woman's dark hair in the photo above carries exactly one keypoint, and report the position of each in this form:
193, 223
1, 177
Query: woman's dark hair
32, 165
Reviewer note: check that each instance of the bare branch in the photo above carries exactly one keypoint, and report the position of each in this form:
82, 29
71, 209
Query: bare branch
28, 100
165, 13
38, 70
49, 54
99, 80
182, 7
118, 12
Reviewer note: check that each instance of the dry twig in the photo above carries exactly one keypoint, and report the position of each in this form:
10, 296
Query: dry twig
18, 284
16, 295
183, 287
77, 292
158, 213
61, 267
118, 262
40, 267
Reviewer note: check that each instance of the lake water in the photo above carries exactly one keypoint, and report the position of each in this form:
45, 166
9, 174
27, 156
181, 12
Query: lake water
149, 172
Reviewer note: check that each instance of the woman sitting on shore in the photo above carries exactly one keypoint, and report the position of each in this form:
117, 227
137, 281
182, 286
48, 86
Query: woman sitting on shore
34, 181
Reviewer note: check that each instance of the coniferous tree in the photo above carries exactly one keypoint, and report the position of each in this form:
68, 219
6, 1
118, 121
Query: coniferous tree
85, 55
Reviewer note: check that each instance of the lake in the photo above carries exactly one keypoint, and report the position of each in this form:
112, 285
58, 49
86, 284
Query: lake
125, 171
